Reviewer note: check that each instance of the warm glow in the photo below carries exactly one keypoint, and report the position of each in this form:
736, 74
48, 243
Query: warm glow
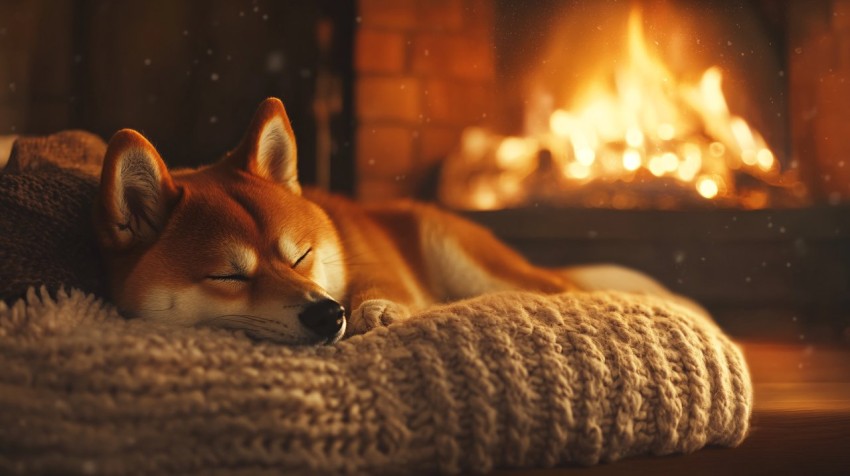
707, 187
711, 92
631, 159
691, 164
764, 158
631, 126
561, 123
669, 128
666, 131
475, 142
577, 170
485, 198
634, 137
585, 156
656, 165
717, 149
670, 162
514, 152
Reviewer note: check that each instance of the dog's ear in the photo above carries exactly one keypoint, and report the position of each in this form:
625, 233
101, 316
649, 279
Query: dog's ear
268, 149
136, 192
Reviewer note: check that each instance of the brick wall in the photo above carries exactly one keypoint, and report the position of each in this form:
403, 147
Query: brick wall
424, 72
819, 66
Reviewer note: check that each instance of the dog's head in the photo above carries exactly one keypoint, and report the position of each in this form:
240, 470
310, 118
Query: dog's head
233, 244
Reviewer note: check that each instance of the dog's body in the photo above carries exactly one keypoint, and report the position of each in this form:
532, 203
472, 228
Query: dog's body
239, 244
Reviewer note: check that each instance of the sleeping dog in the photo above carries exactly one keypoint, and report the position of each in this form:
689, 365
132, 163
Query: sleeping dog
240, 244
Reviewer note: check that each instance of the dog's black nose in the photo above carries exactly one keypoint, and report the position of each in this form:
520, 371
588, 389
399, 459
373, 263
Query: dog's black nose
324, 318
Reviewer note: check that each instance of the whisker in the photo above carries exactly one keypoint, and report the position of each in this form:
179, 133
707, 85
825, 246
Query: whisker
238, 318
249, 317
304, 237
364, 263
330, 259
157, 310
356, 258
257, 327
335, 256
170, 307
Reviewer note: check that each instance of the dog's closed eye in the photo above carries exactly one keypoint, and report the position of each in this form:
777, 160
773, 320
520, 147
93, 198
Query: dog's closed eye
299, 260
240, 266
228, 277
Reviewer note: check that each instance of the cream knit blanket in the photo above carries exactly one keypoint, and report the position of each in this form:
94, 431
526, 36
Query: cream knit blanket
505, 380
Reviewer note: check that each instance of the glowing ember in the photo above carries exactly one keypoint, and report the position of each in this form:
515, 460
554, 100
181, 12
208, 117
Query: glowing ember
631, 160
643, 127
707, 187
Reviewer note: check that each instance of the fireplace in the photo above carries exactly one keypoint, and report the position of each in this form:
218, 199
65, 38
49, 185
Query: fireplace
657, 134
607, 121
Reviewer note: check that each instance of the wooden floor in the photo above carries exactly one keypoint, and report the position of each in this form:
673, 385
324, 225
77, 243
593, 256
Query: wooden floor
800, 425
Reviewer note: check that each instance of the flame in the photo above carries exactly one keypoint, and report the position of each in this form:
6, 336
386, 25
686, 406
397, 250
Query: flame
646, 124
654, 122
707, 187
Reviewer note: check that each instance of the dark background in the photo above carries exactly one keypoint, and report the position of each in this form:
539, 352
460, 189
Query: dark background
187, 74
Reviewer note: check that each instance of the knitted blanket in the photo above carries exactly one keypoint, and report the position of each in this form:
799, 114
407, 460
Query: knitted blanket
504, 380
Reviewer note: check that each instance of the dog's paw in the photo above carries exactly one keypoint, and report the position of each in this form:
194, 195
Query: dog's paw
375, 313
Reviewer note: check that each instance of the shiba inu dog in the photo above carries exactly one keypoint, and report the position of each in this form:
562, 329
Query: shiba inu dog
240, 244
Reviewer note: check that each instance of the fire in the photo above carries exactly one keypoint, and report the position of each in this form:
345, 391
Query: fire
646, 130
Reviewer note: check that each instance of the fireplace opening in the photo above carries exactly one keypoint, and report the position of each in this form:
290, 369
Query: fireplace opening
632, 105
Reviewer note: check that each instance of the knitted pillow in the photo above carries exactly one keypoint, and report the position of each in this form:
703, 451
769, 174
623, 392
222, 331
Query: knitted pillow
504, 380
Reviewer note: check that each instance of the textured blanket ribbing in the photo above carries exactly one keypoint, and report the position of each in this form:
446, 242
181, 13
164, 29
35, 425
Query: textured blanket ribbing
505, 380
